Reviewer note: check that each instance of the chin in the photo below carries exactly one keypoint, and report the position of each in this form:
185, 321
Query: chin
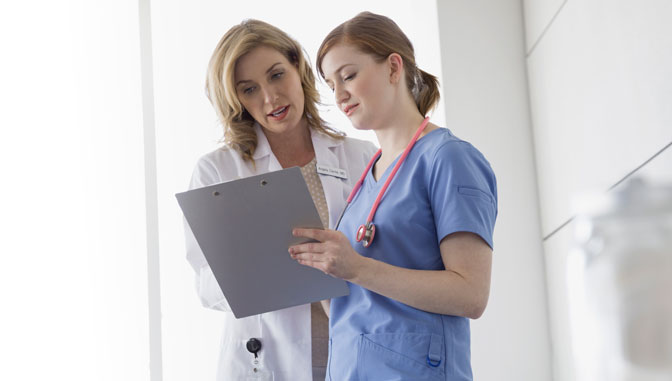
360, 124
284, 126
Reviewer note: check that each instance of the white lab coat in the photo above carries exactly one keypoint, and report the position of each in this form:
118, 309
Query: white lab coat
285, 334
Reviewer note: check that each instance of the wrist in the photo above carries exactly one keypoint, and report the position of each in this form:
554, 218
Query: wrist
362, 270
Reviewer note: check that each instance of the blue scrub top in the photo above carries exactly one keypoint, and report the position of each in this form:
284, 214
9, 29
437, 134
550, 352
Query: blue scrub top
444, 186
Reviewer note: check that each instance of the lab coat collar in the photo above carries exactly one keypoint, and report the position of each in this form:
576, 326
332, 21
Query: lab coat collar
323, 145
327, 153
321, 142
263, 148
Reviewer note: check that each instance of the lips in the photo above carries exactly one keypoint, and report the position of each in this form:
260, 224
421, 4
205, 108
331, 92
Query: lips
349, 109
279, 113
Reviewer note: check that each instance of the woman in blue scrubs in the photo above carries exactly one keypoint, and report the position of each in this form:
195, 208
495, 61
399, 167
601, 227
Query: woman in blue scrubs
417, 279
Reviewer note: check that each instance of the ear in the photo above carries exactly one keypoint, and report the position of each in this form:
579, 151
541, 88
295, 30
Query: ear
396, 66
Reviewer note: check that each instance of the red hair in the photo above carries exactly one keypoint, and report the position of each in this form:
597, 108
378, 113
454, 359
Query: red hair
379, 36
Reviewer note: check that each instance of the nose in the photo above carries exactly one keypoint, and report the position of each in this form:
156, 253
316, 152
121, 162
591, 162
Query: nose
341, 95
270, 95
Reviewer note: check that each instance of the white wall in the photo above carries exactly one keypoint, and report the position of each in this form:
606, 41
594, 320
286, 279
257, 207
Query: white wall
484, 90
184, 34
73, 272
600, 91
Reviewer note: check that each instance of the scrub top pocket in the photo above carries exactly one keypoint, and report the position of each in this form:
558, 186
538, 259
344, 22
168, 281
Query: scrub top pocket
401, 357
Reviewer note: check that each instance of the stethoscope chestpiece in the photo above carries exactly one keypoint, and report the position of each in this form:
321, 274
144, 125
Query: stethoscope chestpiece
365, 234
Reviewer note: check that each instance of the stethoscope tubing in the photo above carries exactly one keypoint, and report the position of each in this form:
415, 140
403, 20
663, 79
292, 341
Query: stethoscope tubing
358, 184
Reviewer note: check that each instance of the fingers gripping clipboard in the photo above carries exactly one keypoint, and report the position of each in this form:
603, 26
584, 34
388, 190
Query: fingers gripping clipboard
244, 228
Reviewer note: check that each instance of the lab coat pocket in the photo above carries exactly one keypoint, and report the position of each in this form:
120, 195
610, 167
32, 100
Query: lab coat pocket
400, 357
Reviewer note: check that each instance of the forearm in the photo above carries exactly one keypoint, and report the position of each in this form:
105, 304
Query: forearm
461, 290
325, 306
441, 291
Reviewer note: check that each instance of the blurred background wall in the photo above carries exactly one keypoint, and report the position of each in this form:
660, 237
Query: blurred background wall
600, 88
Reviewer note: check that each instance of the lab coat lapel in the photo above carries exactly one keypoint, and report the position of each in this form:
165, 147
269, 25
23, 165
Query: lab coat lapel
329, 153
262, 151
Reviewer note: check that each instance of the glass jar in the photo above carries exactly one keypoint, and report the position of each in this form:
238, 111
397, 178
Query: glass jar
620, 280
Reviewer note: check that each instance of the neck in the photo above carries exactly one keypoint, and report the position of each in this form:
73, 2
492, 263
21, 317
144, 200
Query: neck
398, 131
293, 147
395, 135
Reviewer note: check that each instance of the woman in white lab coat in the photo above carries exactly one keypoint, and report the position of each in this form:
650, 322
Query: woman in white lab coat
264, 93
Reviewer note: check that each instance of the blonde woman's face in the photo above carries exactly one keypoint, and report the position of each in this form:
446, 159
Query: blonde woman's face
269, 87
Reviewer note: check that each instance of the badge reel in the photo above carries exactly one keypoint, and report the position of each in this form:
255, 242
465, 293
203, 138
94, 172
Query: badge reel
255, 372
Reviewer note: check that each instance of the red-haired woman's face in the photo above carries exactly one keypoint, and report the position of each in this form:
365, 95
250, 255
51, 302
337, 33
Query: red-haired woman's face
362, 87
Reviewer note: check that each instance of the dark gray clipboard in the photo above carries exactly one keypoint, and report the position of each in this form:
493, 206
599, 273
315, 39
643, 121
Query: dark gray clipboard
244, 228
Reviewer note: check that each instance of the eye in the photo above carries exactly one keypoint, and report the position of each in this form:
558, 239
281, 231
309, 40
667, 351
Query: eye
249, 90
349, 77
277, 75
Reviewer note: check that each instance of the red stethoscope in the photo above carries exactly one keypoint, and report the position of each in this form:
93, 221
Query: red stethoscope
367, 231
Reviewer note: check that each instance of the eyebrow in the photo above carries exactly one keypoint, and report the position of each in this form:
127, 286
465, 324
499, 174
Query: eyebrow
267, 71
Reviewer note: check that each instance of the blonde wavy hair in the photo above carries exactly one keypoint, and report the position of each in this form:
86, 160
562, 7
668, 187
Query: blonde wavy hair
221, 91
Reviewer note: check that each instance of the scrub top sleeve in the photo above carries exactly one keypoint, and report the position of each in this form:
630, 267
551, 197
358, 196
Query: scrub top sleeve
463, 191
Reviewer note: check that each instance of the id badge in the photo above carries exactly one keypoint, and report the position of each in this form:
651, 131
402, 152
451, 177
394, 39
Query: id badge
330, 171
